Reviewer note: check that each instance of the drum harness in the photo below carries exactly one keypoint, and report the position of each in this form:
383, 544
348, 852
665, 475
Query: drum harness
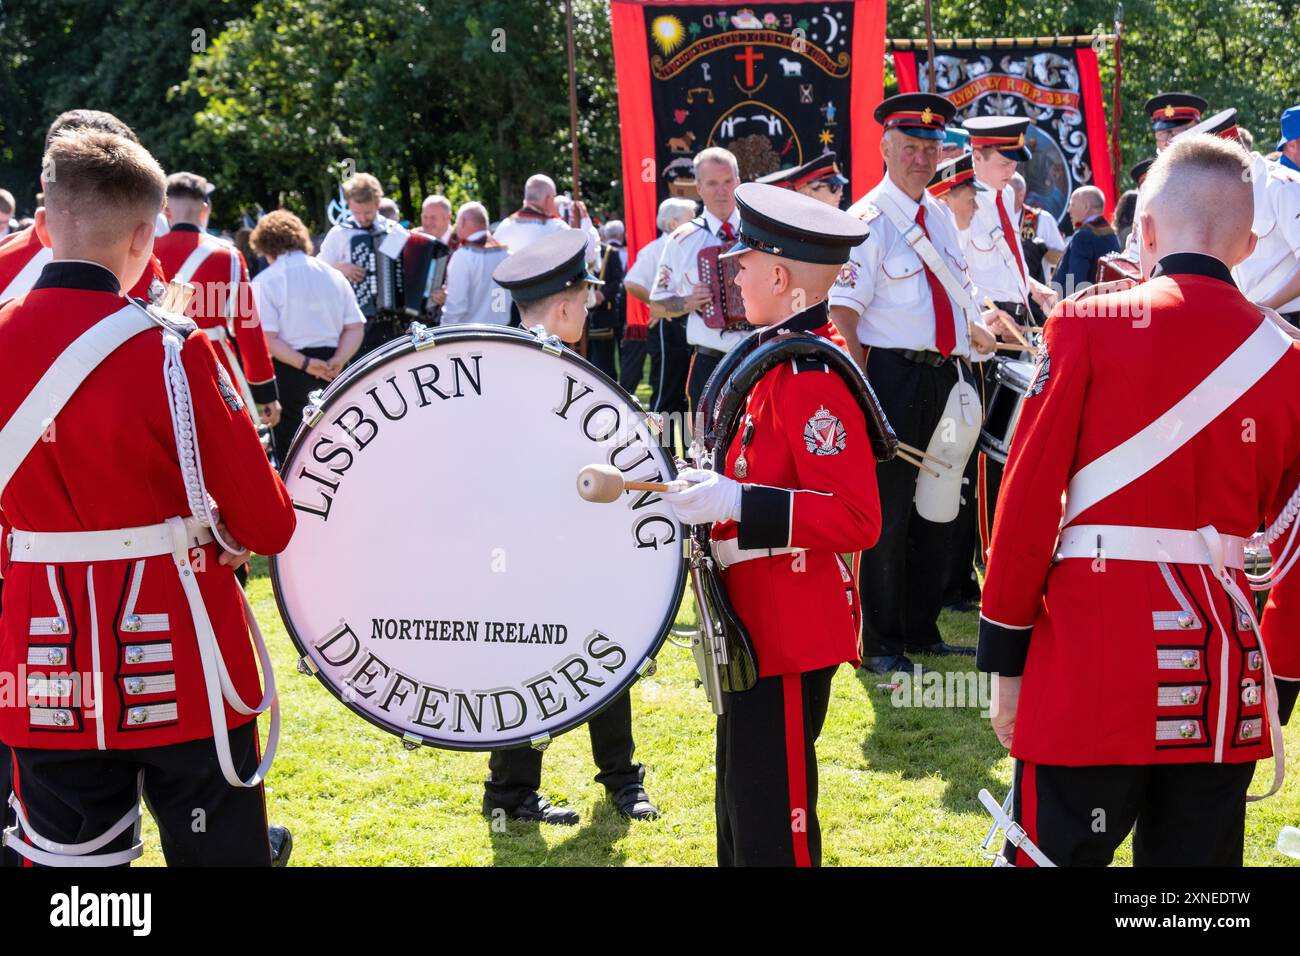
174, 536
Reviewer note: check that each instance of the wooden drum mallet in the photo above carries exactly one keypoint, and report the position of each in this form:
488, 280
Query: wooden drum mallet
605, 483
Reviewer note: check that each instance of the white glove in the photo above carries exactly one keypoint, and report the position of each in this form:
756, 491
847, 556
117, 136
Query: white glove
710, 497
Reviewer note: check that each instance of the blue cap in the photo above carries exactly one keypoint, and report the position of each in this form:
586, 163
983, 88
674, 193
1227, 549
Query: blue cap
956, 136
1290, 126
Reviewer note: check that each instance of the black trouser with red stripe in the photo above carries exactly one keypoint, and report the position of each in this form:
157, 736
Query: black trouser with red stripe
72, 796
766, 794
1190, 814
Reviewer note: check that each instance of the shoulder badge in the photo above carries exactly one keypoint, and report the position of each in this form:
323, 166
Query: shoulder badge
824, 434
869, 212
664, 280
227, 389
1042, 371
847, 277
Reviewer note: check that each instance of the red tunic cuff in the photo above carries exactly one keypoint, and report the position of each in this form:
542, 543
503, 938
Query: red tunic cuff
1002, 649
264, 393
764, 517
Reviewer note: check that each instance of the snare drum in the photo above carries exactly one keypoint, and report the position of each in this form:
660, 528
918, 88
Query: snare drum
445, 581
1011, 378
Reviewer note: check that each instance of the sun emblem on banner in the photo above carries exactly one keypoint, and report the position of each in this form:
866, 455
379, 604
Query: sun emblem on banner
668, 33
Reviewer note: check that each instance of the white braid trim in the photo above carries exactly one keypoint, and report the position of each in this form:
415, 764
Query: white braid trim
181, 404
1289, 553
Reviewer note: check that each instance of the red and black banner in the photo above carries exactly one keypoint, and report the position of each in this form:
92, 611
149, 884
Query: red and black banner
1058, 87
776, 83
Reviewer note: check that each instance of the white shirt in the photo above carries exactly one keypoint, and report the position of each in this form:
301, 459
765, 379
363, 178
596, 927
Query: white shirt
1277, 224
884, 281
336, 247
516, 234
472, 296
305, 301
994, 277
646, 264
679, 272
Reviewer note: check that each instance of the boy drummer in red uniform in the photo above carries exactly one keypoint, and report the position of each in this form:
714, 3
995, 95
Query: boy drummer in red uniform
120, 431
1135, 692
798, 490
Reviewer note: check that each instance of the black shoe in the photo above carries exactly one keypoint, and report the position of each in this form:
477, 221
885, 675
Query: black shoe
534, 809
281, 841
633, 803
943, 647
890, 664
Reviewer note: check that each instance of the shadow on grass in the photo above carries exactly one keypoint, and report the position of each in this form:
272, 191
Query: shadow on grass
593, 842
952, 741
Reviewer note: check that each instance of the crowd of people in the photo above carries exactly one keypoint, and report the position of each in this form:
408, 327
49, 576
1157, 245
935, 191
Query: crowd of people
1136, 694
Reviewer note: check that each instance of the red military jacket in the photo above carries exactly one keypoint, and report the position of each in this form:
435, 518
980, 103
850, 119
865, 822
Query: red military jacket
223, 303
809, 482
1136, 662
111, 462
23, 256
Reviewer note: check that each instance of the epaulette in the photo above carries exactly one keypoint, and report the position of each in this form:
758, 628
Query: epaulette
808, 363
687, 228
168, 321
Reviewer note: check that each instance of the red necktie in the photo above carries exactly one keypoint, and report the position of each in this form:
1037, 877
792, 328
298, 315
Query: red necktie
945, 334
727, 233
1012, 237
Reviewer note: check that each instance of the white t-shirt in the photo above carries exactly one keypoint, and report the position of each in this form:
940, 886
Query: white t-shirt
306, 302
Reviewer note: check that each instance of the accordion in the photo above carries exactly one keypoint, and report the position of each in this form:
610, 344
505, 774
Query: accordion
400, 286
1116, 266
725, 309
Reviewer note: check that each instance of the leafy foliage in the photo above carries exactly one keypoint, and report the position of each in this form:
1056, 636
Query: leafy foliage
468, 97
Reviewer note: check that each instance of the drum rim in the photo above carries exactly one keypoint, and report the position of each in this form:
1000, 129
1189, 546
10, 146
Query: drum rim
387, 353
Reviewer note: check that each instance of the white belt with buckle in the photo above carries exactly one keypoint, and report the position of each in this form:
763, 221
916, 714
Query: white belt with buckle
728, 552
1128, 543
76, 547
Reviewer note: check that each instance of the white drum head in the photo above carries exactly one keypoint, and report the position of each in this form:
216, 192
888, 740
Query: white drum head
445, 580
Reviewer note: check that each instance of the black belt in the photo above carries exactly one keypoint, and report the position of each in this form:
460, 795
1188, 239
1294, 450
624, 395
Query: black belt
1016, 310
923, 357
708, 353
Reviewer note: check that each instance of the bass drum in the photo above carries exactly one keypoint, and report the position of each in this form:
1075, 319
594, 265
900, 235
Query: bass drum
445, 581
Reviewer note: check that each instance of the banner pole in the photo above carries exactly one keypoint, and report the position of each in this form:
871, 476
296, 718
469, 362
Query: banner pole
929, 43
1117, 108
573, 100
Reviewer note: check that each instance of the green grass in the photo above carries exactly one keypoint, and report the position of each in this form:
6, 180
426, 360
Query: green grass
898, 785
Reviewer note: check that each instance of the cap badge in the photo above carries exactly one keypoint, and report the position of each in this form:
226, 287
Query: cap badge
927, 115
1169, 111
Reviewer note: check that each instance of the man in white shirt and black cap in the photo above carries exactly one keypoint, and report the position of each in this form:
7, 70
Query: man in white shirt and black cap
904, 305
